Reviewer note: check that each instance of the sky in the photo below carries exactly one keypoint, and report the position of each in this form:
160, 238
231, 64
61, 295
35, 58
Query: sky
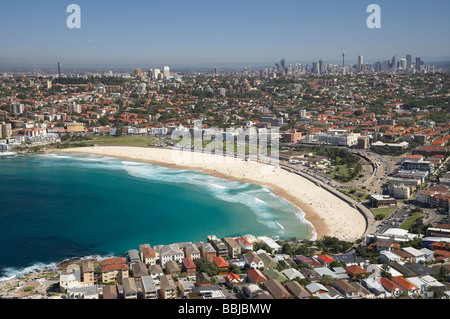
152, 33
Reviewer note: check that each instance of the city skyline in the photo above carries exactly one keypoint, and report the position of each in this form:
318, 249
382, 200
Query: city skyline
217, 34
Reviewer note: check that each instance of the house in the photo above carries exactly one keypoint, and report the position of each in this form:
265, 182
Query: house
129, 289
268, 261
299, 259
392, 288
325, 259
110, 292
156, 272
244, 243
272, 273
148, 256
363, 292
202, 279
344, 287
172, 268
139, 269
355, 271
207, 292
310, 274
248, 290
168, 289
221, 263
297, 290
233, 279
114, 269
349, 259
374, 286
87, 292
276, 289
253, 260
325, 271
188, 266
132, 256
292, 273
316, 289
185, 285
406, 285
420, 269
421, 255
256, 276
424, 282
148, 288
270, 244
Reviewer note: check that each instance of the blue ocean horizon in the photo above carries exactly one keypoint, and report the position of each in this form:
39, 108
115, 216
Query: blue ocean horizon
55, 207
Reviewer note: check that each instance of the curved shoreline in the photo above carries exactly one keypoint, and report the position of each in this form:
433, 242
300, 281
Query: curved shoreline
329, 215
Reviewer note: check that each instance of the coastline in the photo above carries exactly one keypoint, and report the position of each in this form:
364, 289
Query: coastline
328, 215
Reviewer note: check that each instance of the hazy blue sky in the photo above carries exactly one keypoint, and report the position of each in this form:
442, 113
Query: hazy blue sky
148, 32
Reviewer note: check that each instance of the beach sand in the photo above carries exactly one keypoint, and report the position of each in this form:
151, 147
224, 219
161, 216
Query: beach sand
329, 215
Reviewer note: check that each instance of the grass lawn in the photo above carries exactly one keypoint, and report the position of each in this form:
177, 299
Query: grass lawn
384, 212
342, 173
355, 193
411, 220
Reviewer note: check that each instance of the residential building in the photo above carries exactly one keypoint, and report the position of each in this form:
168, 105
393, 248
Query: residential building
114, 269
168, 288
87, 273
276, 289
110, 292
296, 290
256, 276
253, 260
234, 250
129, 289
207, 251
202, 279
149, 290
188, 266
87, 292
344, 287
172, 268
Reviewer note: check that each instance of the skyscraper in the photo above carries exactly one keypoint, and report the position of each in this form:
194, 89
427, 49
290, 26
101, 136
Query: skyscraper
321, 67
360, 63
408, 62
418, 64
166, 73
343, 62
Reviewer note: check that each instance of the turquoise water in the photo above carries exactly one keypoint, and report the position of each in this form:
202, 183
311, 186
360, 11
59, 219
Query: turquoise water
58, 206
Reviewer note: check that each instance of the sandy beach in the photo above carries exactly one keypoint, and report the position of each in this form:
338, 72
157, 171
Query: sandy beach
329, 215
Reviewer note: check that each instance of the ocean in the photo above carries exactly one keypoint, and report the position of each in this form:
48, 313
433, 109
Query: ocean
59, 206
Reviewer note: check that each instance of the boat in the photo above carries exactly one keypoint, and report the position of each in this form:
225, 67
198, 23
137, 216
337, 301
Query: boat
7, 154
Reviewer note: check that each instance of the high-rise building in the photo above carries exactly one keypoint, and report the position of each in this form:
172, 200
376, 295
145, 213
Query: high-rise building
216, 71
321, 67
17, 108
166, 73
360, 63
394, 62
408, 62
418, 64
315, 68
